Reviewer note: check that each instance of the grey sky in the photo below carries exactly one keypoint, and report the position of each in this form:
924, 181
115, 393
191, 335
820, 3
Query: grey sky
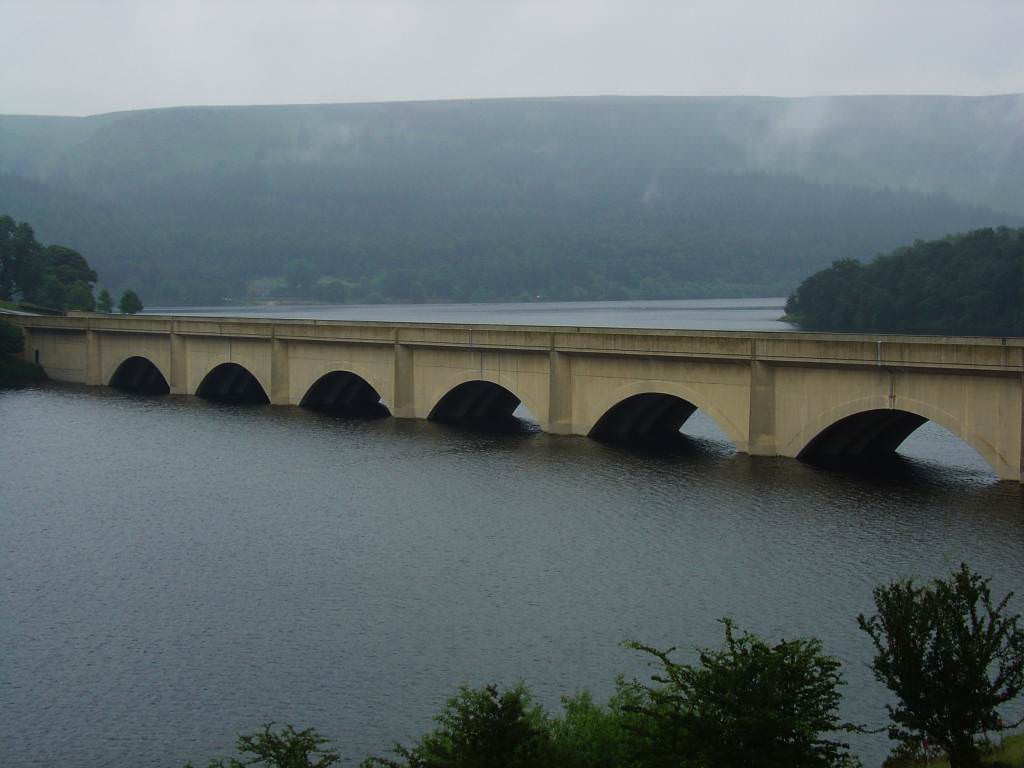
89, 56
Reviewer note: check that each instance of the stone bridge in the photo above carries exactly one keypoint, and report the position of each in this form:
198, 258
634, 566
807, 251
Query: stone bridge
816, 396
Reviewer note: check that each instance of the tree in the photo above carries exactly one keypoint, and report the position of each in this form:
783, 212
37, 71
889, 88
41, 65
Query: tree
130, 303
588, 735
53, 276
105, 302
12, 340
967, 284
21, 268
67, 265
79, 296
747, 703
287, 749
481, 729
951, 656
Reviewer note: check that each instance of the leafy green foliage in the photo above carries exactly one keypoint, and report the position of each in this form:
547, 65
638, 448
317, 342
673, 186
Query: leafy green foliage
68, 266
15, 372
129, 304
12, 340
21, 268
104, 302
747, 703
79, 296
588, 735
51, 276
951, 656
286, 748
963, 284
481, 729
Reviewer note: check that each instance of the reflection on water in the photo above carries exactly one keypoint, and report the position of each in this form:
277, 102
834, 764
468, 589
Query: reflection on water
176, 571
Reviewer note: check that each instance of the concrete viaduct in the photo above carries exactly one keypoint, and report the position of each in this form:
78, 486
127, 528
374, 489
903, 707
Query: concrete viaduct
816, 396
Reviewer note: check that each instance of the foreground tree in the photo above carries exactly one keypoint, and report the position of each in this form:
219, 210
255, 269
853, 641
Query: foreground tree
588, 735
951, 656
748, 703
130, 303
286, 748
481, 729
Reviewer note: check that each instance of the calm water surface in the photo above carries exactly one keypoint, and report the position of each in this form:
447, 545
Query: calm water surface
175, 572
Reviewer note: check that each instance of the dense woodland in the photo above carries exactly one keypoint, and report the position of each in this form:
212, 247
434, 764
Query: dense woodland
511, 199
969, 284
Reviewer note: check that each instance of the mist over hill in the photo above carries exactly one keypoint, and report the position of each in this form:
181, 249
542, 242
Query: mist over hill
509, 199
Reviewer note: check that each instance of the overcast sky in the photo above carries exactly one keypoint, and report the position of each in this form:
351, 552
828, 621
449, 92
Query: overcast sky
80, 57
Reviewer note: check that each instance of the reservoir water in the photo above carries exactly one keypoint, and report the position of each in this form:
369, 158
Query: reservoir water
174, 572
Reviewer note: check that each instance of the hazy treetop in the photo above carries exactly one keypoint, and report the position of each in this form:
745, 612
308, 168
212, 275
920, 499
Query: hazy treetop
88, 56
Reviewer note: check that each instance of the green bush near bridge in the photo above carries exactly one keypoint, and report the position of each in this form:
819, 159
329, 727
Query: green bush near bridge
15, 372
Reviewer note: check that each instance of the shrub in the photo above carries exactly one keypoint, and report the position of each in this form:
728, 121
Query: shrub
287, 748
747, 703
950, 656
481, 729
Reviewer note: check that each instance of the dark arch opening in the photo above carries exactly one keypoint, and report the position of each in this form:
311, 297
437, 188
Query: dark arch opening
480, 405
231, 383
137, 374
341, 393
650, 418
864, 437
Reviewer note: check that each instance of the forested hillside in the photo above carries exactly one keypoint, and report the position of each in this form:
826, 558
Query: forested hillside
970, 284
511, 199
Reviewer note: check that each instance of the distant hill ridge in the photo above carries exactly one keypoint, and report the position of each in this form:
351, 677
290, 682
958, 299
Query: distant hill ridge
604, 197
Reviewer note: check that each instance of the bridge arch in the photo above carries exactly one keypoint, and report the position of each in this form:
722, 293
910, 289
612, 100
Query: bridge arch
873, 426
344, 393
232, 383
480, 400
646, 410
139, 374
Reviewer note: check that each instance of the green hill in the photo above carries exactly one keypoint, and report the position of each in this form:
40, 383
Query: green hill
475, 200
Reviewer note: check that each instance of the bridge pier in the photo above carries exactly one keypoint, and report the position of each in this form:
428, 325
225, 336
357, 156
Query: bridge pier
280, 391
559, 394
404, 406
761, 441
179, 364
93, 374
